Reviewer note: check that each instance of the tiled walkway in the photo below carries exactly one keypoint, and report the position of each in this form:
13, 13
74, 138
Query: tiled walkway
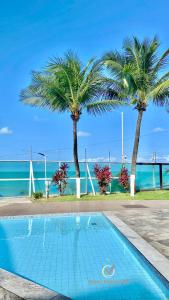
152, 225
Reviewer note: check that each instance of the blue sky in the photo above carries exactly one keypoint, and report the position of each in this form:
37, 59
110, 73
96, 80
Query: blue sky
31, 32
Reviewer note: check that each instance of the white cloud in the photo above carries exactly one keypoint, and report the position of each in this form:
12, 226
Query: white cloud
159, 158
143, 159
101, 159
159, 129
83, 134
5, 131
163, 158
166, 158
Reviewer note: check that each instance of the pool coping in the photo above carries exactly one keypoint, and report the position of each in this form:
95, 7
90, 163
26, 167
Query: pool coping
154, 257
52, 215
26, 289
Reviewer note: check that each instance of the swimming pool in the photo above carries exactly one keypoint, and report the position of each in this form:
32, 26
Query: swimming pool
81, 256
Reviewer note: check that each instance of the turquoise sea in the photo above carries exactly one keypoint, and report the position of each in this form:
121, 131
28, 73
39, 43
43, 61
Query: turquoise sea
14, 177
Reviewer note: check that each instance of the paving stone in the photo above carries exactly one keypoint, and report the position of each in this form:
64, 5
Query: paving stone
151, 224
6, 295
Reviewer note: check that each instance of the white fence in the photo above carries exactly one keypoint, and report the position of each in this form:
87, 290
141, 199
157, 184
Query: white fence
21, 178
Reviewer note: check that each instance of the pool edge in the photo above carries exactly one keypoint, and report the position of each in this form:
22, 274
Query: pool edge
25, 289
156, 259
16, 287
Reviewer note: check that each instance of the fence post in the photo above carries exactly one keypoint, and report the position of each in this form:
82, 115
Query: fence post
161, 175
78, 187
86, 174
132, 185
30, 180
90, 178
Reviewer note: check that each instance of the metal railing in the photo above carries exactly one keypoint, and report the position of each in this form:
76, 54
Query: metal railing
22, 177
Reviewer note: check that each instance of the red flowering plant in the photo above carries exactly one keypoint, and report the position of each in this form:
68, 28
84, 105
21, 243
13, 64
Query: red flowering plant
60, 178
103, 176
124, 178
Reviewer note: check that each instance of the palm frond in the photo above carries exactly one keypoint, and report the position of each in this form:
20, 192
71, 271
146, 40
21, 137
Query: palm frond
163, 77
136, 71
158, 89
162, 99
162, 62
44, 91
103, 106
114, 61
65, 84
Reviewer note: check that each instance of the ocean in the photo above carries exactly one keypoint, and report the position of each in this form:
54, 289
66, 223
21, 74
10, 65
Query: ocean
15, 177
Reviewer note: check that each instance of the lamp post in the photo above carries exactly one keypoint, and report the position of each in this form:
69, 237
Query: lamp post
123, 156
122, 138
46, 182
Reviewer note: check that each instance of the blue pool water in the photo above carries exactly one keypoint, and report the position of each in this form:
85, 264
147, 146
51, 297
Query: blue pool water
80, 256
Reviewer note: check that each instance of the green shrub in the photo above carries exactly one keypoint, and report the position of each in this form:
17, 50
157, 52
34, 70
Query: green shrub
37, 195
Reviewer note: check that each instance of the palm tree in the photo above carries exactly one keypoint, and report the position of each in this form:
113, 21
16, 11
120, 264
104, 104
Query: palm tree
67, 86
136, 77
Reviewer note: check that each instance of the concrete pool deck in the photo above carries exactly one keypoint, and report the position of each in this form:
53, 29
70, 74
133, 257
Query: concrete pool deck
159, 261
18, 206
14, 287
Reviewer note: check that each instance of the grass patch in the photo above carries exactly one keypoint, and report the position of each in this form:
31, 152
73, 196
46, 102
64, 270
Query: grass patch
144, 195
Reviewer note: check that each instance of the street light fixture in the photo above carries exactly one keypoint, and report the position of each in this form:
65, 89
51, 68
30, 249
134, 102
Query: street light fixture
46, 182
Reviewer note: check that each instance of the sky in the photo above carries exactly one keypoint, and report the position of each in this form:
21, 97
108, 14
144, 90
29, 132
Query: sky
33, 31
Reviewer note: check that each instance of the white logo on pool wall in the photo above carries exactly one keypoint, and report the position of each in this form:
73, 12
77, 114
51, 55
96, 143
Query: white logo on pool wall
108, 271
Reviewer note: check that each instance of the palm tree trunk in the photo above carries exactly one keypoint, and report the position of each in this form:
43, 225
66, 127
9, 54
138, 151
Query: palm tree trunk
75, 148
136, 142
